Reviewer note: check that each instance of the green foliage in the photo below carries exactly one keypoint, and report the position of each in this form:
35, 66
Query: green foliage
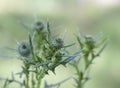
43, 52
88, 45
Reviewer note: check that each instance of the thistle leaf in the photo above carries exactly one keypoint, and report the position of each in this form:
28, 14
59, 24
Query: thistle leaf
56, 84
79, 41
69, 45
31, 47
65, 61
48, 28
7, 56
98, 36
103, 47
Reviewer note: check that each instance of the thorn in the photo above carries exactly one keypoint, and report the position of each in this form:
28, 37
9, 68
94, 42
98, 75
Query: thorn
98, 36
35, 18
54, 71
12, 75
103, 47
18, 43
64, 35
82, 36
25, 25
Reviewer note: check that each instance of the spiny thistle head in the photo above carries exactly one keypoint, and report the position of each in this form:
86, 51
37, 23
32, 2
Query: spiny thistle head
58, 43
24, 48
89, 41
39, 25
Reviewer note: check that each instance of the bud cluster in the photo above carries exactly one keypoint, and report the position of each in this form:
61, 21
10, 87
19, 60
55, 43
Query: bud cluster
42, 52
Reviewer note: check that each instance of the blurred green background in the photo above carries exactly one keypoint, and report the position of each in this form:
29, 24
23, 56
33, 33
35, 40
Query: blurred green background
88, 16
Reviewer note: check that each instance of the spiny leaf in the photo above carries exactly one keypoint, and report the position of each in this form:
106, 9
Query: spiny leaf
25, 25
69, 45
56, 84
64, 35
79, 41
103, 47
7, 56
75, 62
82, 37
8, 48
12, 75
10, 81
31, 47
98, 36
99, 43
65, 61
20, 74
48, 28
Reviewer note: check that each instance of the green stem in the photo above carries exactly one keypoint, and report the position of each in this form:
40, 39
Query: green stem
82, 75
32, 81
39, 82
26, 72
40, 77
86, 60
27, 81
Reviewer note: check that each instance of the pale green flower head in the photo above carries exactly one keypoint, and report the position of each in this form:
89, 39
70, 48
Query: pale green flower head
39, 25
24, 49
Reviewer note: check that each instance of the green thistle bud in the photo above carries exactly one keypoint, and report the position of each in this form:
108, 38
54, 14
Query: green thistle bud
90, 42
24, 49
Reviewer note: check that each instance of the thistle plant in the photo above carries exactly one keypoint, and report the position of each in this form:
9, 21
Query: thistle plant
88, 46
42, 52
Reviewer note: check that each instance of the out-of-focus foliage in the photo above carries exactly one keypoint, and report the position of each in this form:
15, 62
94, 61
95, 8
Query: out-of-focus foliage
71, 15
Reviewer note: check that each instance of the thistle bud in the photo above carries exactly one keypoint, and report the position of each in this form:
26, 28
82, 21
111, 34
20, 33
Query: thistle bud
90, 42
24, 49
58, 43
38, 26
